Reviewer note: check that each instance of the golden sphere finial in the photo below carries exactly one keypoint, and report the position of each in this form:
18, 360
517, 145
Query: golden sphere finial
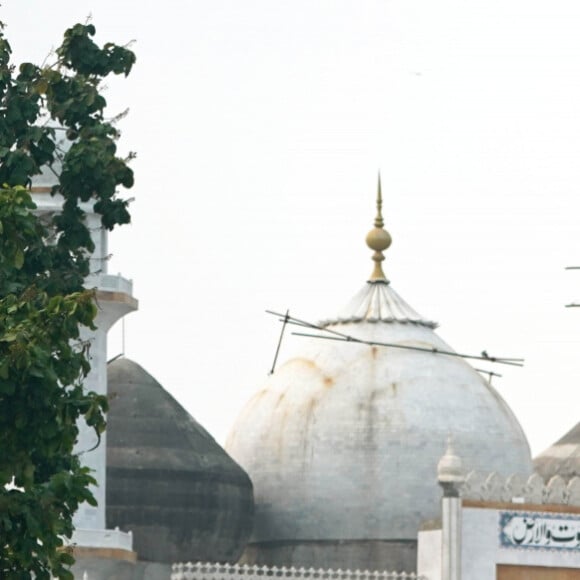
378, 239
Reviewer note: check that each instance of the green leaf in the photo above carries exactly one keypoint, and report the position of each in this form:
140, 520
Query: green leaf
19, 259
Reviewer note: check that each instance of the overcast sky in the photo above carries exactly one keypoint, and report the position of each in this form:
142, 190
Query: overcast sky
260, 127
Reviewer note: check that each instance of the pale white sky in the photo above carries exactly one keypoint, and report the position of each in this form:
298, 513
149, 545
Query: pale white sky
260, 127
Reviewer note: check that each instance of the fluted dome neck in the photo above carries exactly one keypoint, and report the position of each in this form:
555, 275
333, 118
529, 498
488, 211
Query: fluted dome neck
377, 301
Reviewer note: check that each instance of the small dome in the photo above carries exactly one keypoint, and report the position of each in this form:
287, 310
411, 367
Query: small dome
168, 481
450, 473
562, 458
450, 467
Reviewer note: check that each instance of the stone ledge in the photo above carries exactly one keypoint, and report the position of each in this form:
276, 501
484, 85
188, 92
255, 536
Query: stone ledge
103, 553
529, 507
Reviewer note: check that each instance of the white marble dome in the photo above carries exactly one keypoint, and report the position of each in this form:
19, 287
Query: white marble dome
342, 441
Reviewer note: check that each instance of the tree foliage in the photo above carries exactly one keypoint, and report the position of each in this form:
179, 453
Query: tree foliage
43, 305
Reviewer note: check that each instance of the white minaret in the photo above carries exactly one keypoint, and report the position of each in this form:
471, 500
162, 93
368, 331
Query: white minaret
114, 300
451, 478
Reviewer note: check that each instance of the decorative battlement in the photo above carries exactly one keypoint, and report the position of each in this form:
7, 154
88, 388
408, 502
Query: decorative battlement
521, 489
209, 571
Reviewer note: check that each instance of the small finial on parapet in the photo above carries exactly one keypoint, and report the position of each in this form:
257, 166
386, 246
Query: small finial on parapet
378, 239
450, 473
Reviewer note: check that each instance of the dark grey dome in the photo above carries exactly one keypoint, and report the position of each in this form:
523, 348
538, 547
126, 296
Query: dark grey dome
168, 481
562, 458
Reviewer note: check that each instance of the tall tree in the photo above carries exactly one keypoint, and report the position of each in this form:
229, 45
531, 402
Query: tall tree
43, 304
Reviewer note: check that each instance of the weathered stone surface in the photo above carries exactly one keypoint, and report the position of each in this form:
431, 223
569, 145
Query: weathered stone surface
168, 481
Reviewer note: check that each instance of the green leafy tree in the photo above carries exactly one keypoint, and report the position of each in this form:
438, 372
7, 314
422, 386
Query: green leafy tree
43, 305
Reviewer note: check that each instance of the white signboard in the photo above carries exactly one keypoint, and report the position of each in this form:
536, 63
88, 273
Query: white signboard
539, 530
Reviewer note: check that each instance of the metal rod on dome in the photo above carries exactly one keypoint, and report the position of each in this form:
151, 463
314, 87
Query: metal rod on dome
342, 337
285, 322
297, 322
504, 361
490, 374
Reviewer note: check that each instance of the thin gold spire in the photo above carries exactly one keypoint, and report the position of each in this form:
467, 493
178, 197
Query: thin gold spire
378, 239
379, 222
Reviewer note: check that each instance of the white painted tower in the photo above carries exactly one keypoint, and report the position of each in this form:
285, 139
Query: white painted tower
114, 296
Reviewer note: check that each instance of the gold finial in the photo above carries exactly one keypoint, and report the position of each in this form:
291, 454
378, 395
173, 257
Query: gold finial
378, 239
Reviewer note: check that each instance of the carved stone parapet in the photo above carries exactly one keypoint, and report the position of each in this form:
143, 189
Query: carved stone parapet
518, 489
574, 491
211, 571
556, 491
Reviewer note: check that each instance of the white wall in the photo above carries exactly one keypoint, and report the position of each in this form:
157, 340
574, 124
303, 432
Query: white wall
482, 551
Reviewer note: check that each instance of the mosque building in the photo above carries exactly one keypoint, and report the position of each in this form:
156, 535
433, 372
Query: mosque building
332, 464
